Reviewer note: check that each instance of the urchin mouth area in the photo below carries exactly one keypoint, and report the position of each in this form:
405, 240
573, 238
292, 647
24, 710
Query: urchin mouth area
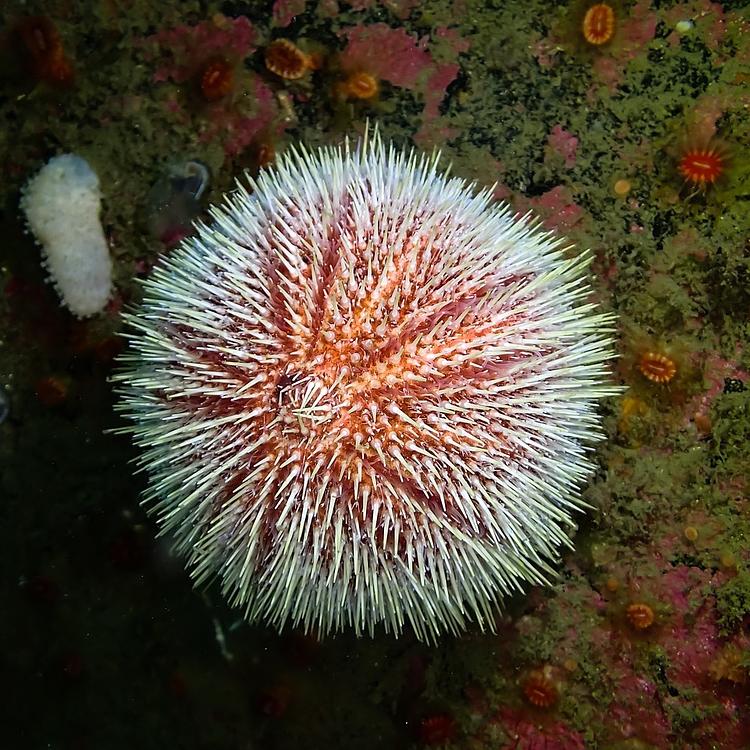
304, 401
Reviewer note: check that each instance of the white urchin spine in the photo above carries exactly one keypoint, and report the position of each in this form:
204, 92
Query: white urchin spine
366, 395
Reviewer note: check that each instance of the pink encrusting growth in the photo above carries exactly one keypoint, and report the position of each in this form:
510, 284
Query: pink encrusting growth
179, 56
285, 11
690, 640
395, 56
237, 131
391, 54
556, 207
184, 45
521, 729
709, 17
563, 143
365, 395
437, 84
716, 370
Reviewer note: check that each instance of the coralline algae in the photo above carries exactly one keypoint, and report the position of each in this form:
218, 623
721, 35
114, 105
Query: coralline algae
62, 204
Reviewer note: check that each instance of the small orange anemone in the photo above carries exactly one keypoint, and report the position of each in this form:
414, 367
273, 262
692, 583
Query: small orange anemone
216, 79
640, 616
598, 25
702, 166
612, 584
539, 689
284, 58
691, 533
656, 367
359, 85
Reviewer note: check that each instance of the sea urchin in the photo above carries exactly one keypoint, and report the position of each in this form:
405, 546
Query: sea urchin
366, 395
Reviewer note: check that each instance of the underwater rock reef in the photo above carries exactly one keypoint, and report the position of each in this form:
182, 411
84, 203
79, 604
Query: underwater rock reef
623, 126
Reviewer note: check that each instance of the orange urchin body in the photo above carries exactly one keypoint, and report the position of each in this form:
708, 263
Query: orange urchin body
363, 395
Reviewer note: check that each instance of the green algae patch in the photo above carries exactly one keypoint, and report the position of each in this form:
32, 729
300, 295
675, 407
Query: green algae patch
731, 435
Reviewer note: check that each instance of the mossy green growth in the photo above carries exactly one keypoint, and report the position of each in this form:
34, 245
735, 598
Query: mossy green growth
731, 433
733, 602
688, 714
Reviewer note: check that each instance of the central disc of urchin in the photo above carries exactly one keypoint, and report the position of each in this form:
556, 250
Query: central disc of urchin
366, 395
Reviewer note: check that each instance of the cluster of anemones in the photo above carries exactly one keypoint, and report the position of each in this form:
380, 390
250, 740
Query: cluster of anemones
288, 61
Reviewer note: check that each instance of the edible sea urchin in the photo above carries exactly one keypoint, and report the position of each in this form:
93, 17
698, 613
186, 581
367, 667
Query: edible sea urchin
366, 395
